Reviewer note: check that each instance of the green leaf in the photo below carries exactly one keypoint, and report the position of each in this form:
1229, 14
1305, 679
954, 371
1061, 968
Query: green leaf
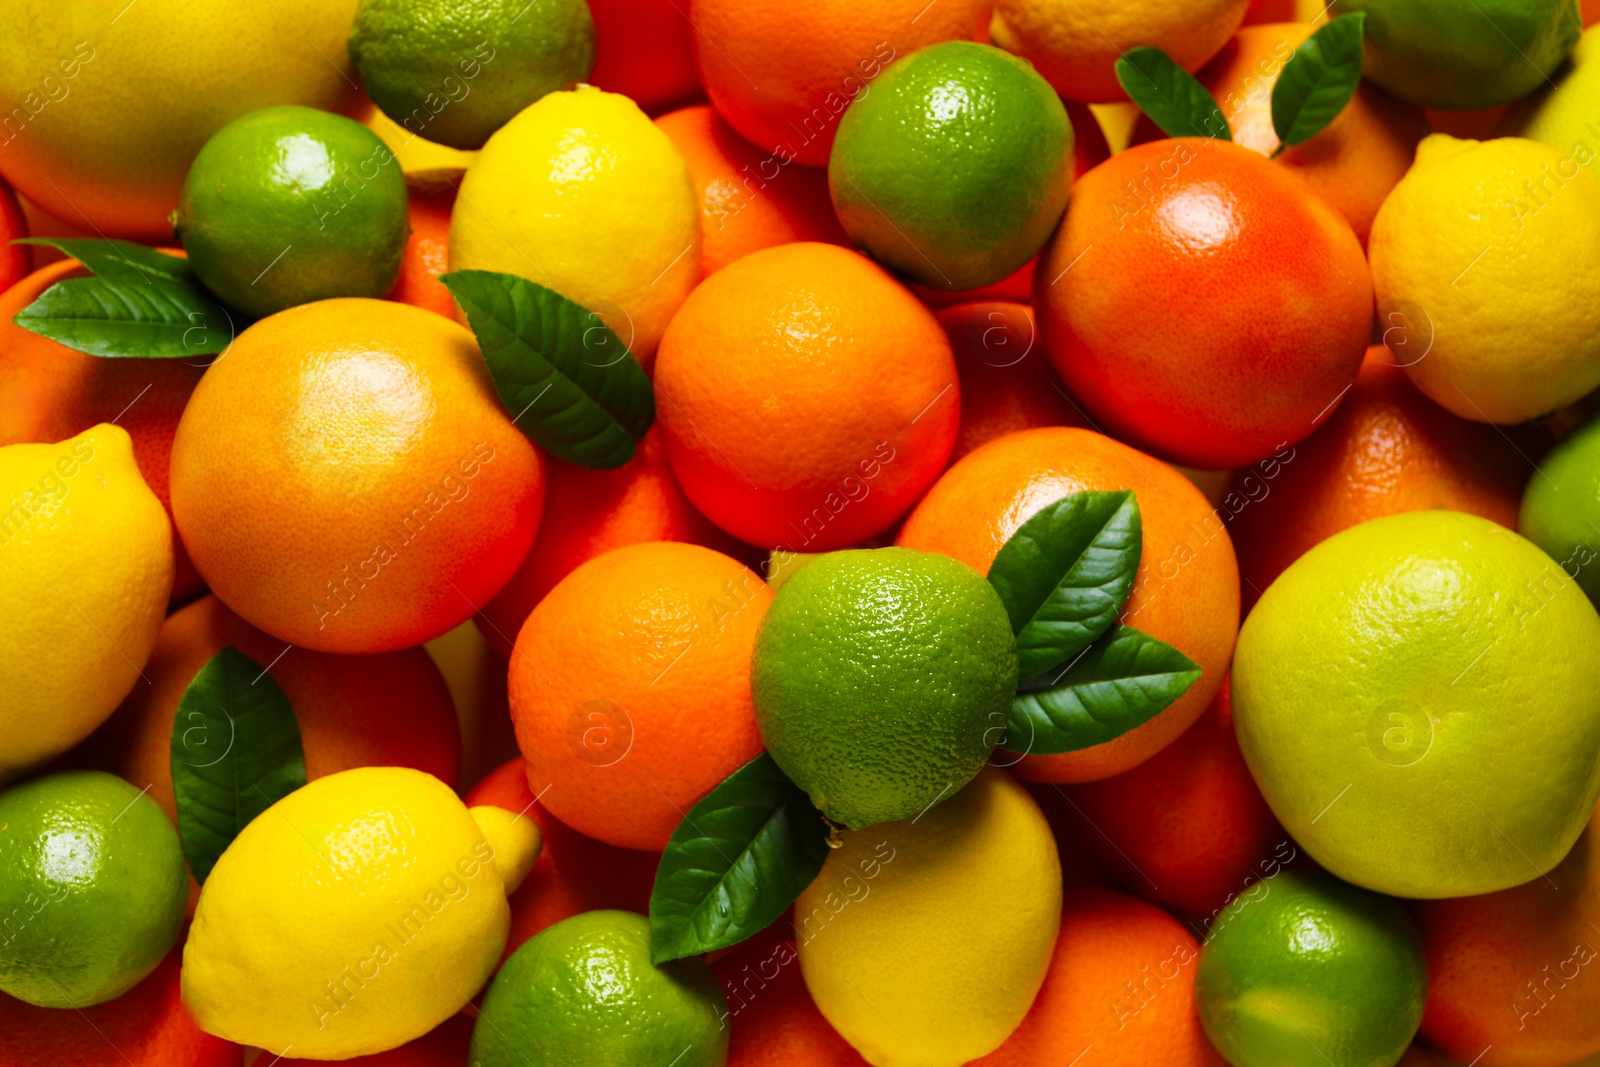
566, 379
117, 259
117, 316
1318, 81
1170, 95
741, 856
1121, 681
235, 752
1065, 574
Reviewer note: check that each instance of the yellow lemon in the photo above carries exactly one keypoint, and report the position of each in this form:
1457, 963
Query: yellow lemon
1566, 115
1486, 265
103, 103
924, 941
354, 915
86, 554
583, 194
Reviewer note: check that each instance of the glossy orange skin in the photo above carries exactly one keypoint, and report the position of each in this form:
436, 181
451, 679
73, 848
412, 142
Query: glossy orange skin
446, 1045
1186, 591
783, 73
346, 479
630, 688
1007, 383
644, 49
49, 392
14, 259
1212, 313
772, 1020
148, 1026
1187, 827
593, 512
574, 873
808, 398
1352, 164
748, 200
1387, 449
430, 196
1511, 971
1121, 983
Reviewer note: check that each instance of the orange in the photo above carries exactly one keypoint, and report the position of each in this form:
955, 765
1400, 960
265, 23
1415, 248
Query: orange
1007, 384
644, 49
346, 479
1269, 11
782, 73
1510, 974
444, 1046
14, 259
748, 199
1387, 449
148, 1026
599, 510
1591, 12
430, 196
1352, 163
772, 1020
1186, 592
630, 688
1187, 828
1202, 302
808, 399
1119, 992
49, 392
574, 873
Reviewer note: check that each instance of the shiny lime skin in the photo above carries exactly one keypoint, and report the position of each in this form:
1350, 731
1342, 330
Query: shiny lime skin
92, 888
1561, 507
455, 71
583, 993
289, 204
1307, 971
1461, 57
954, 166
882, 680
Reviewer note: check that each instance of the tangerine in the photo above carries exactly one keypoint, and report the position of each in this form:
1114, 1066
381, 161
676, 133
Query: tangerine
431, 195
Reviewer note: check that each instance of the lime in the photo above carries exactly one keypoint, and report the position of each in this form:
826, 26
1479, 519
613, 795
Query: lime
92, 887
1566, 116
290, 204
1561, 507
583, 993
453, 72
882, 680
1418, 698
955, 167
1439, 53
1310, 971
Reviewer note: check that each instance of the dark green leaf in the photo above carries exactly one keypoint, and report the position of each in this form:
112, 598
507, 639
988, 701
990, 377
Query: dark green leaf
566, 379
122, 316
1170, 95
235, 752
1065, 574
1121, 681
741, 856
117, 259
1318, 80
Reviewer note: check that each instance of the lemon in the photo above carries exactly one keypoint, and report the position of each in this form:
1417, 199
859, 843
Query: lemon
354, 915
1566, 116
86, 551
1418, 698
106, 102
1486, 254
925, 941
583, 194
415, 153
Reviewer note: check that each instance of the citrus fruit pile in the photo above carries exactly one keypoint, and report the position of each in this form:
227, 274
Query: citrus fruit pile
724, 533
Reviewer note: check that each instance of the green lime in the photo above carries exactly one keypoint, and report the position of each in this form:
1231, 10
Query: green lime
92, 888
954, 167
1566, 116
583, 993
1561, 506
1309, 971
455, 72
1418, 698
1443, 54
882, 680
289, 204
